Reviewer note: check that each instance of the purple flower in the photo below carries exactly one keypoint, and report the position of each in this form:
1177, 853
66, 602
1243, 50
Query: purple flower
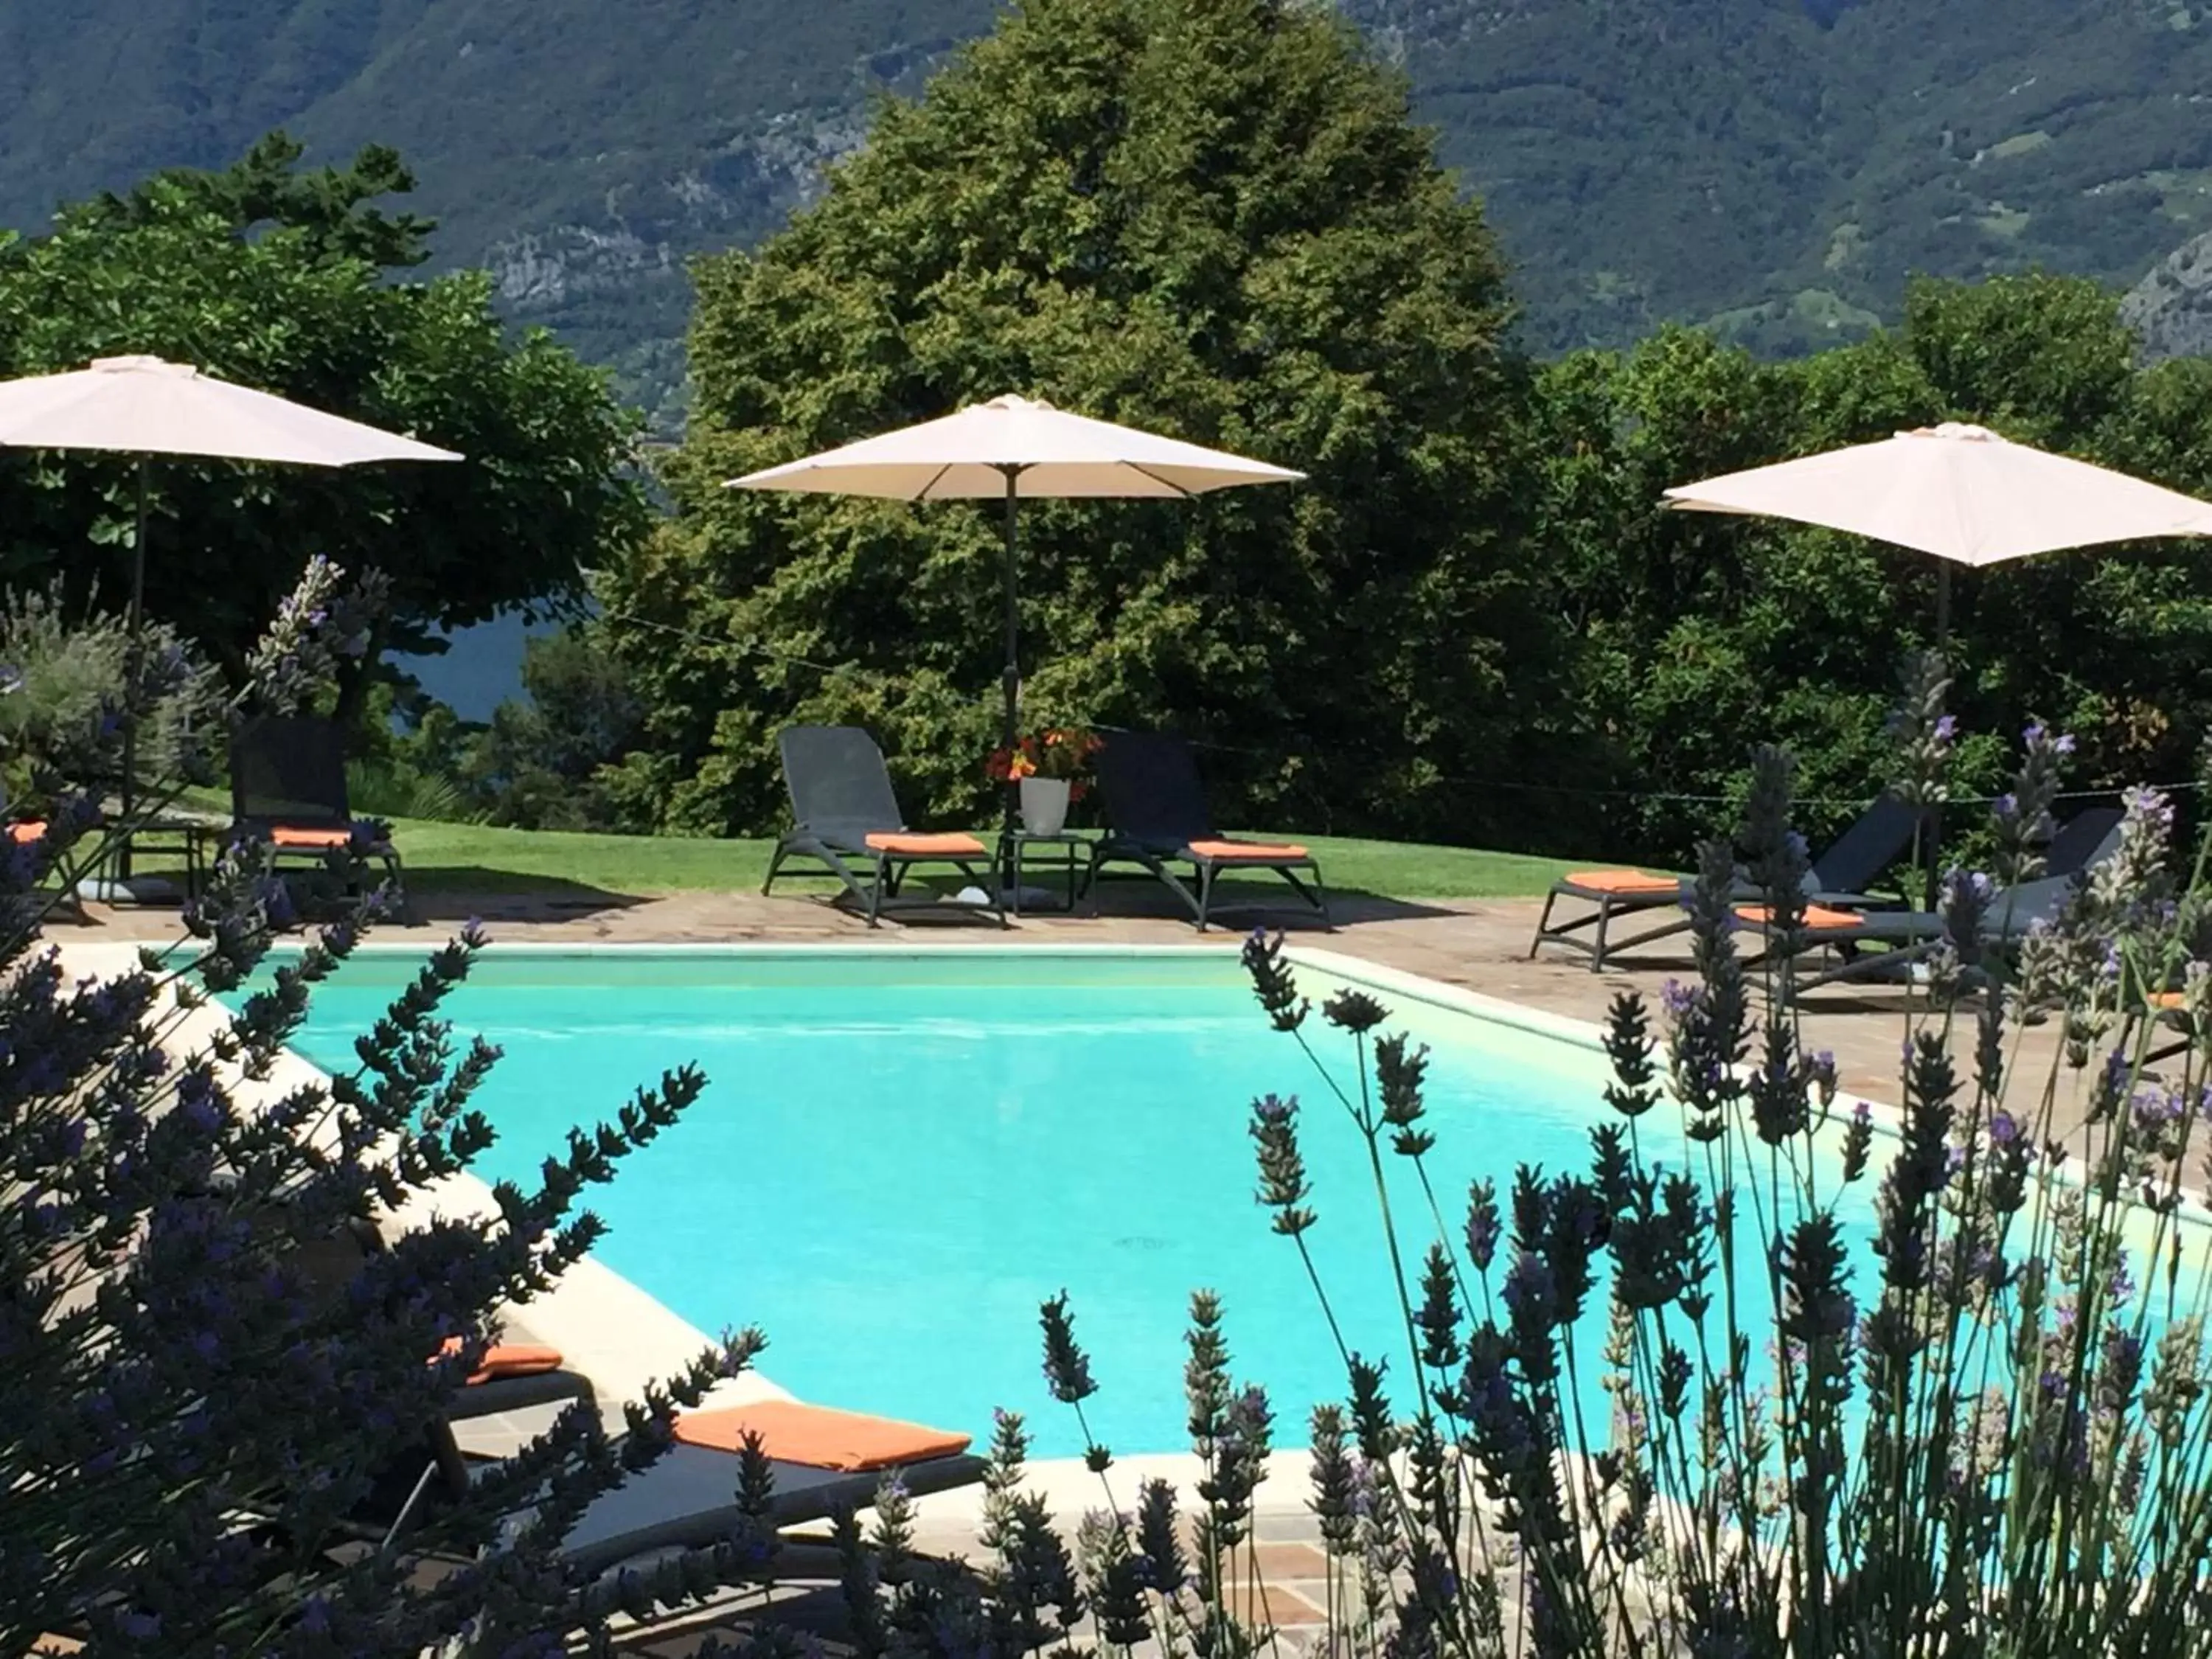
1947, 728
2003, 1131
2123, 1286
1484, 1224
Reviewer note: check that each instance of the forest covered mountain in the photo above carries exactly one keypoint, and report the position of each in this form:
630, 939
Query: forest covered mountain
1774, 168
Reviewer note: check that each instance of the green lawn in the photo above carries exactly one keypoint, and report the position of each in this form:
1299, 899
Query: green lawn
473, 858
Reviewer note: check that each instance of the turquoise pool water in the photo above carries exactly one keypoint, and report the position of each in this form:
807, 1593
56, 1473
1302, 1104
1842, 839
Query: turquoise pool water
900, 1156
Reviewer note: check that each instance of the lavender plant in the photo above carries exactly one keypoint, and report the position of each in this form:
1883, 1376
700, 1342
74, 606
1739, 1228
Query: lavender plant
211, 1448
1975, 1423
1992, 1440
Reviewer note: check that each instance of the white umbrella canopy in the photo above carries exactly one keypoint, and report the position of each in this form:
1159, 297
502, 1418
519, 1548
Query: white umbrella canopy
146, 406
1961, 493
1012, 448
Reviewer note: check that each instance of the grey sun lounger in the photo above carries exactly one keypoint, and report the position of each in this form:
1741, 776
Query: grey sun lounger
1156, 815
846, 814
2079, 845
1839, 877
688, 1500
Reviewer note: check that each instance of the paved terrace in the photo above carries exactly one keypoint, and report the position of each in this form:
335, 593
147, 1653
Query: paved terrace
1480, 944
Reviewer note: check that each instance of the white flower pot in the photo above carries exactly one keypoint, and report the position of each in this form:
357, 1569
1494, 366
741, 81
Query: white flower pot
1044, 805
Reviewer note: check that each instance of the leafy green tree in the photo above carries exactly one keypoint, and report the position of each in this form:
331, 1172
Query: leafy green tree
291, 281
1208, 217
537, 764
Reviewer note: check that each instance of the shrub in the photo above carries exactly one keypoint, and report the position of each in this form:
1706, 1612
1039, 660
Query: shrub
198, 1422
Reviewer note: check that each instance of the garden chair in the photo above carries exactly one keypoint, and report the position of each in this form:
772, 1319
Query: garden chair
1156, 815
822, 1461
287, 787
844, 813
821, 1464
1905, 937
1880, 835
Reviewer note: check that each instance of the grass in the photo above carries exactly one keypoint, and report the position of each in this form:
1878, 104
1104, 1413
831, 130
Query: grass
456, 858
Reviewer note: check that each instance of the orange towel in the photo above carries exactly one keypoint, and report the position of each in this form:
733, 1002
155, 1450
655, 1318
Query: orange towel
293, 835
1622, 881
1818, 917
29, 830
954, 846
508, 1360
818, 1436
1259, 851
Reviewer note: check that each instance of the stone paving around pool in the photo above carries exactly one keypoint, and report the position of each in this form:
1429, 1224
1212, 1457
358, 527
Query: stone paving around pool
615, 1334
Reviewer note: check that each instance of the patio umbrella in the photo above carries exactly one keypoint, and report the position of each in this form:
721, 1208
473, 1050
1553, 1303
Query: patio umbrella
1009, 449
145, 406
1962, 493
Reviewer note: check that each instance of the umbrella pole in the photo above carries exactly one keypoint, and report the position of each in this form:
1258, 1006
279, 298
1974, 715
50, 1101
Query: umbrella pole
1931, 871
1011, 684
131, 676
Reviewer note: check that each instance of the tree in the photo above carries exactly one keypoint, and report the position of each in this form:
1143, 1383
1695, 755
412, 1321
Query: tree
289, 282
537, 762
1209, 217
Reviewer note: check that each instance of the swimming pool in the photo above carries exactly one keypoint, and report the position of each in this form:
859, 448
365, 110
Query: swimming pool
901, 1153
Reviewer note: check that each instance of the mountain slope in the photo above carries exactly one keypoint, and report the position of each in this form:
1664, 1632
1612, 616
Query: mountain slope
1776, 167
1787, 167
582, 147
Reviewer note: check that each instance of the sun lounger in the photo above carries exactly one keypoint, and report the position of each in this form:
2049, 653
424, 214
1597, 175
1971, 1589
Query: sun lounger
1839, 877
2089, 838
844, 813
287, 787
1900, 937
824, 1461
1156, 815
688, 1497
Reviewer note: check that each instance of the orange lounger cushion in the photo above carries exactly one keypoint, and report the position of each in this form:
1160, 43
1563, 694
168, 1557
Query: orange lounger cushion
29, 830
928, 847
818, 1436
2168, 1001
1621, 881
1261, 851
283, 835
508, 1360
1818, 917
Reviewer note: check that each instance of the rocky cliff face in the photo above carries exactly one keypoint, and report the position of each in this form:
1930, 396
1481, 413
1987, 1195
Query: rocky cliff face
2172, 307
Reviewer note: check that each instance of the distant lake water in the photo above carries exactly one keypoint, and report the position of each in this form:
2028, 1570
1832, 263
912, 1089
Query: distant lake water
481, 668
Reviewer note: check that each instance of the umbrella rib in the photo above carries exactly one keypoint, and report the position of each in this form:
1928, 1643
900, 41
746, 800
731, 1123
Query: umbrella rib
1147, 472
1188, 494
935, 479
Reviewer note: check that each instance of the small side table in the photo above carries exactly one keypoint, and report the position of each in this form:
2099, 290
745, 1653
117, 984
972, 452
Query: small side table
1071, 856
174, 833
